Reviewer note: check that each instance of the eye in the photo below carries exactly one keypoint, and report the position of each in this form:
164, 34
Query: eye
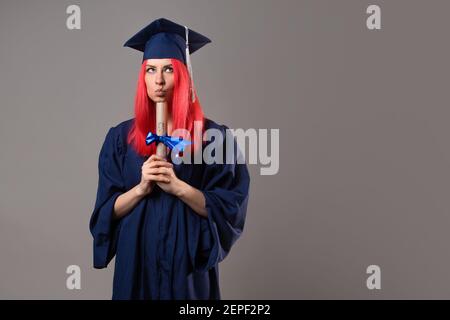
168, 69
150, 70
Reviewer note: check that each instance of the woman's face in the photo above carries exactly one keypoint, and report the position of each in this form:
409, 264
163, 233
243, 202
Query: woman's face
159, 79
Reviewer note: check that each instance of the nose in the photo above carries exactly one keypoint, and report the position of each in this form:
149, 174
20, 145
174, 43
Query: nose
159, 79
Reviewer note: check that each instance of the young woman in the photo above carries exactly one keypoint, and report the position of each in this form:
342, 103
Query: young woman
168, 225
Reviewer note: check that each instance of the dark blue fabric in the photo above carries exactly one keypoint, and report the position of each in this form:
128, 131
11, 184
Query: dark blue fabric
162, 248
163, 38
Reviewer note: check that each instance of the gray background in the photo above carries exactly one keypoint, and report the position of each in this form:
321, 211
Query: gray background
364, 155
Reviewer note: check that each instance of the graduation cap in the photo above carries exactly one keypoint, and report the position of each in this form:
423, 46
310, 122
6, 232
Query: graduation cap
164, 39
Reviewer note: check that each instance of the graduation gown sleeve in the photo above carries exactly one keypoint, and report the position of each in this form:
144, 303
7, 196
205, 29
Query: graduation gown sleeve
103, 227
226, 191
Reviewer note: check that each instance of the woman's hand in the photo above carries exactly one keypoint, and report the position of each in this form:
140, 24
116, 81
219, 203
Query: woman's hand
158, 170
151, 173
171, 184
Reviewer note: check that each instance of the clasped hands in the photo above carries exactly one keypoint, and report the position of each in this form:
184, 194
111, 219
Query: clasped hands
157, 170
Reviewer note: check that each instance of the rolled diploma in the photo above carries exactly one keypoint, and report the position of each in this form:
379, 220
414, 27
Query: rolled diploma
161, 127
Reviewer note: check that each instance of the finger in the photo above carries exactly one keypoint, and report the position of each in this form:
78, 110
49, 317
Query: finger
149, 169
154, 157
156, 164
164, 170
154, 171
165, 164
159, 178
158, 170
166, 178
149, 159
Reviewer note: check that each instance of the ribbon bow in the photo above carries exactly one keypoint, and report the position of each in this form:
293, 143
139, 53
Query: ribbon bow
171, 142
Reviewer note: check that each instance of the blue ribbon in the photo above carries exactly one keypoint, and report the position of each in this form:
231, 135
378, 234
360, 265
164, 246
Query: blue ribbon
171, 142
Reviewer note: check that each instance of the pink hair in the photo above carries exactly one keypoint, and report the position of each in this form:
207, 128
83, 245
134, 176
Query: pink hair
183, 111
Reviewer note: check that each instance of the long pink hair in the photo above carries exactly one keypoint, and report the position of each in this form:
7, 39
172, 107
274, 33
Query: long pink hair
183, 111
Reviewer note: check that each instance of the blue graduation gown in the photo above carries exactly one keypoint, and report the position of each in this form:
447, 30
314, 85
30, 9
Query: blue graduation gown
163, 249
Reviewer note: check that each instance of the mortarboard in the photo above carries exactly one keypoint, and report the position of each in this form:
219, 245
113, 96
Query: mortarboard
164, 39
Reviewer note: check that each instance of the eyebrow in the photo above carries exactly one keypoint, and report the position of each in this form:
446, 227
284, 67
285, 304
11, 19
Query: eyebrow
167, 65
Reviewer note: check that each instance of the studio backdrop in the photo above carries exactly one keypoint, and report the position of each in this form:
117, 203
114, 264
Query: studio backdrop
345, 106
